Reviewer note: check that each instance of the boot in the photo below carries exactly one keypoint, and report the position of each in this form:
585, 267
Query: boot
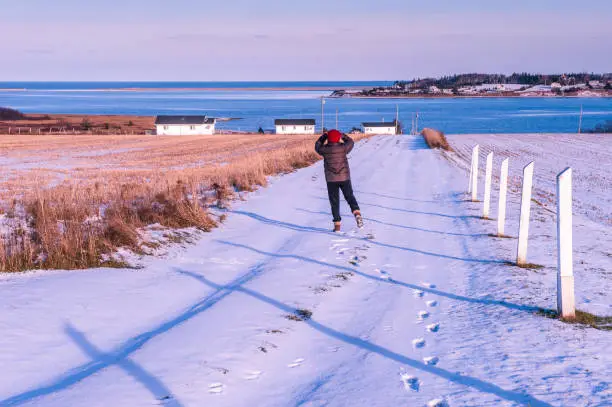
358, 218
337, 227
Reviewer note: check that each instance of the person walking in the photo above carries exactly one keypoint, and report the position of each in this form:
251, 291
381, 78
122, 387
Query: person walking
334, 146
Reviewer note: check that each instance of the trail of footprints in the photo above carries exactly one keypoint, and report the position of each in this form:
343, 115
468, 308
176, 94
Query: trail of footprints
410, 382
340, 246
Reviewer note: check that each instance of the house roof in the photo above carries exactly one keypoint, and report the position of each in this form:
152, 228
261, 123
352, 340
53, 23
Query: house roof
188, 120
379, 124
294, 122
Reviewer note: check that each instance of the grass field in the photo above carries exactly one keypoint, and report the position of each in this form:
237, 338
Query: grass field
70, 201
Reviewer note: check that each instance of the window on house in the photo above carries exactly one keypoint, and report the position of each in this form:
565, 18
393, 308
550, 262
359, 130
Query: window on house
294, 127
165, 127
191, 127
284, 128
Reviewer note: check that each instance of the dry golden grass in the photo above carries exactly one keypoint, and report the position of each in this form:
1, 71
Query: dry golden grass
72, 213
435, 139
76, 123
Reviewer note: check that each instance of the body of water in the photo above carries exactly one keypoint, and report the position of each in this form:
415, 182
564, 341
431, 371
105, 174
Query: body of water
80, 86
257, 108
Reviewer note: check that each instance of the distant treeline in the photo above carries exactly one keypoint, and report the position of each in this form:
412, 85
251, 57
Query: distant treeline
524, 78
6, 113
601, 128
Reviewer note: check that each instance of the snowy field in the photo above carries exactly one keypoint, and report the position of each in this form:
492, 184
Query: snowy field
590, 157
272, 309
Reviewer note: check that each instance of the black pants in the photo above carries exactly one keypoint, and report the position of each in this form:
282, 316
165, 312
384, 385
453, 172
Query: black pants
333, 190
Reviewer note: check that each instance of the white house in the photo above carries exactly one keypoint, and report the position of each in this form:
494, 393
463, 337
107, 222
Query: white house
184, 125
295, 126
380, 127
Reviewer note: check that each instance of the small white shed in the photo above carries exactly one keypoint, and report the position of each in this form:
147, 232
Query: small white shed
185, 125
380, 127
295, 126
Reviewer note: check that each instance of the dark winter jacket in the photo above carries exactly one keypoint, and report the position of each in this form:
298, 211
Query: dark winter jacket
334, 156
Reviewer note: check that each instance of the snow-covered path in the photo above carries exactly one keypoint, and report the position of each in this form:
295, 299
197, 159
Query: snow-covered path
426, 313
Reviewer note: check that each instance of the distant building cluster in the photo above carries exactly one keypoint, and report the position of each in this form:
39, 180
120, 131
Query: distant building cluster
518, 84
204, 125
591, 88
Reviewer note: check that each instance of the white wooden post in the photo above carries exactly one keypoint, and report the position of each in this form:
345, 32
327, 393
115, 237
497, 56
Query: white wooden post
475, 153
566, 304
503, 190
521, 256
487, 192
471, 168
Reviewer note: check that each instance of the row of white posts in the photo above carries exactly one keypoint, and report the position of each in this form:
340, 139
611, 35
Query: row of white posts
565, 274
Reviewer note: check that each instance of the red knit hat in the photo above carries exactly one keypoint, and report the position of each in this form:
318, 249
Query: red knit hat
334, 136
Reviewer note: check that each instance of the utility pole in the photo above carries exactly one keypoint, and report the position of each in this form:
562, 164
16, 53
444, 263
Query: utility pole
580, 121
396, 118
322, 115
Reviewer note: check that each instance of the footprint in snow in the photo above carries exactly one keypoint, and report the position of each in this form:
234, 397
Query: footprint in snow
433, 327
432, 303
252, 375
215, 388
418, 343
437, 403
428, 285
166, 400
383, 274
356, 260
418, 293
431, 360
296, 363
410, 382
423, 315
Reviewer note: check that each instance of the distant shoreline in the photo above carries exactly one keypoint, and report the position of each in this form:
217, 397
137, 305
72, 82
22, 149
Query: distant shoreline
204, 89
422, 96
313, 89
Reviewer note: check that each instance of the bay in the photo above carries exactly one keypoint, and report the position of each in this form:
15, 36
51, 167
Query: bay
258, 108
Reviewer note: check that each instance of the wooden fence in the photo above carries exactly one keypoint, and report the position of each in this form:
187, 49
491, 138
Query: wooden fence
66, 131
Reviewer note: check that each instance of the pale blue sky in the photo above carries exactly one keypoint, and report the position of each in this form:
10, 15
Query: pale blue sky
299, 40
